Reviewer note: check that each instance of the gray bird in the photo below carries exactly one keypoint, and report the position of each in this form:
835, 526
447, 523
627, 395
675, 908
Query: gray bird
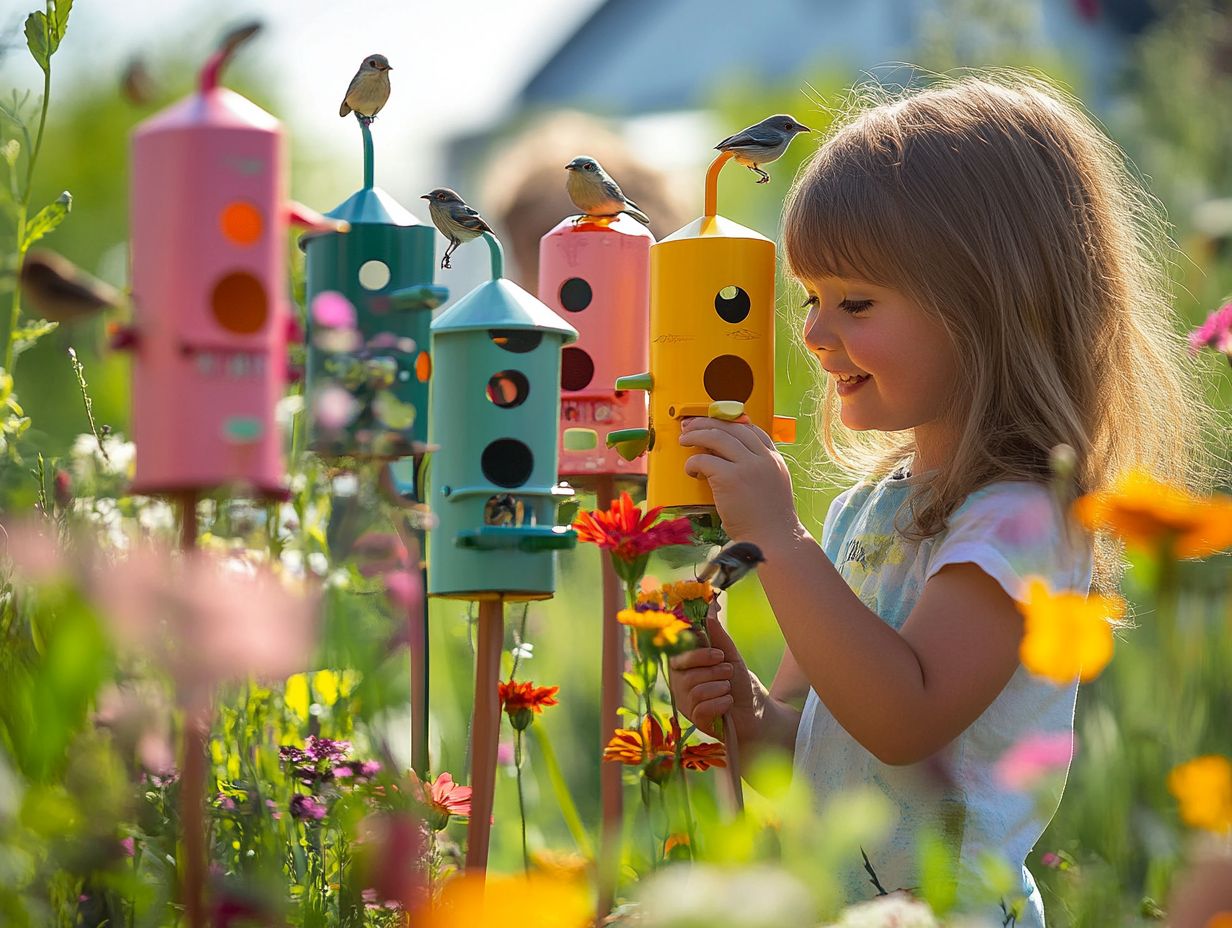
368, 90
762, 143
456, 221
58, 290
595, 193
732, 563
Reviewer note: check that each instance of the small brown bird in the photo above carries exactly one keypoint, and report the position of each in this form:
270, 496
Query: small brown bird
503, 509
732, 563
58, 290
368, 90
593, 191
456, 221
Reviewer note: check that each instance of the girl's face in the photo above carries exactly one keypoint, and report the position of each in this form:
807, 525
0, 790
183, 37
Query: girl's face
902, 361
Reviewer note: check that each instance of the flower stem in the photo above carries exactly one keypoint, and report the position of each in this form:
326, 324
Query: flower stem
517, 765
684, 781
568, 809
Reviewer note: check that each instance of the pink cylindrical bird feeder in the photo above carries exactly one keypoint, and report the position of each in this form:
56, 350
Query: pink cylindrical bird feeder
211, 313
596, 273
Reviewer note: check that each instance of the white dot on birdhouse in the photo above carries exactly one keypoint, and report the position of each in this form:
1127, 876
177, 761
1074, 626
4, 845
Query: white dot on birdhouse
373, 275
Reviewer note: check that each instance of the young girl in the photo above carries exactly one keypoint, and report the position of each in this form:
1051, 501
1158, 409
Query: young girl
984, 284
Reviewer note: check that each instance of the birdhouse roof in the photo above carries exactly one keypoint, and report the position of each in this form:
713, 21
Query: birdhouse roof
373, 206
217, 108
621, 225
716, 227
501, 304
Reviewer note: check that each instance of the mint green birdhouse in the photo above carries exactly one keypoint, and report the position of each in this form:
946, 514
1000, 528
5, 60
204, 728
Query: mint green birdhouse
495, 414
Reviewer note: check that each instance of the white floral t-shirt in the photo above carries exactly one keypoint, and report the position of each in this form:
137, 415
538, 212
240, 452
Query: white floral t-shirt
1011, 530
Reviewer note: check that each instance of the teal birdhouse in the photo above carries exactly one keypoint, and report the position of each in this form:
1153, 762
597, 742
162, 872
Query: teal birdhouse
495, 415
384, 267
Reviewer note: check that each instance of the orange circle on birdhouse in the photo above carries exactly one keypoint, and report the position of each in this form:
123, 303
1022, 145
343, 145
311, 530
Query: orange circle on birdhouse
239, 303
241, 223
423, 367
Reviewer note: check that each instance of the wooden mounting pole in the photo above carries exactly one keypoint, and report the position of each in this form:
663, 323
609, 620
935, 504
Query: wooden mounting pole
485, 731
193, 770
611, 784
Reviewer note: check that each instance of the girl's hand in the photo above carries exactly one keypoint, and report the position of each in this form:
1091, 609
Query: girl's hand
747, 475
707, 682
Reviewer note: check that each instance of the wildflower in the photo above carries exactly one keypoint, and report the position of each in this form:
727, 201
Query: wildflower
307, 807
682, 591
1215, 332
468, 901
1204, 788
1066, 634
129, 846
656, 630
1149, 515
326, 748
443, 797
1030, 759
655, 751
560, 865
630, 535
522, 701
651, 599
225, 802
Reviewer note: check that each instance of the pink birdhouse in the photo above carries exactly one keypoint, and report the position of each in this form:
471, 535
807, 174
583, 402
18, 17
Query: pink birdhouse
596, 274
212, 316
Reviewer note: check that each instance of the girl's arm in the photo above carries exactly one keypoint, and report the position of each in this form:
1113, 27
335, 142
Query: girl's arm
902, 694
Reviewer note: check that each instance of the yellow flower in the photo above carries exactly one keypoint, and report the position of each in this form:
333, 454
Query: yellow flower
1066, 634
650, 598
677, 593
560, 865
1204, 788
508, 901
1148, 515
666, 626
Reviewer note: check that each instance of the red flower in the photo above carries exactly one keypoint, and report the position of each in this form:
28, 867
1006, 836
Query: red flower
443, 797
523, 700
629, 534
655, 751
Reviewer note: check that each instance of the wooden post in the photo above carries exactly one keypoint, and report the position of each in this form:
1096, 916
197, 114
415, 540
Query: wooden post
611, 784
485, 731
193, 770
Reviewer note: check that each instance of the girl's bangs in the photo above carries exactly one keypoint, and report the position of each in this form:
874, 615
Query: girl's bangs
840, 222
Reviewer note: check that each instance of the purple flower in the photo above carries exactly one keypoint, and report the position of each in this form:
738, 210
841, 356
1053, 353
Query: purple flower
225, 802
273, 809
369, 768
326, 748
129, 845
343, 772
292, 755
307, 807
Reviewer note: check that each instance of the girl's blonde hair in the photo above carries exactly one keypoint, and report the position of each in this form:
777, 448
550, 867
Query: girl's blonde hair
1000, 208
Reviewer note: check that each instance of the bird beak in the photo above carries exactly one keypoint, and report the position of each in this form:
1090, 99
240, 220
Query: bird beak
425, 196
389, 67
805, 128
570, 167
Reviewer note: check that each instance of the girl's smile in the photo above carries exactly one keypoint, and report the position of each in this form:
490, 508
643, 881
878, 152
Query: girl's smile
893, 364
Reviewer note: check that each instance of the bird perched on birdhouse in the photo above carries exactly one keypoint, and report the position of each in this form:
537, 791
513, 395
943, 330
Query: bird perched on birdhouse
368, 91
454, 219
595, 193
762, 143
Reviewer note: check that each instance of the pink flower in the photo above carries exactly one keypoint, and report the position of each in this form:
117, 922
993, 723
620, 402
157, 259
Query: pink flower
1215, 332
307, 807
443, 797
129, 845
333, 310
1036, 755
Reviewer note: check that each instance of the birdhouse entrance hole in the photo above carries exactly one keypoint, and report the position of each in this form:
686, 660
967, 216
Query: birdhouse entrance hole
575, 294
732, 304
507, 462
519, 341
577, 369
508, 389
239, 303
728, 377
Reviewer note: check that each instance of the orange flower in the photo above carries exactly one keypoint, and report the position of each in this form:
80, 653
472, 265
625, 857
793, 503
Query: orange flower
1149, 515
523, 700
443, 797
471, 901
629, 534
676, 593
650, 598
1204, 788
665, 626
655, 751
1066, 634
